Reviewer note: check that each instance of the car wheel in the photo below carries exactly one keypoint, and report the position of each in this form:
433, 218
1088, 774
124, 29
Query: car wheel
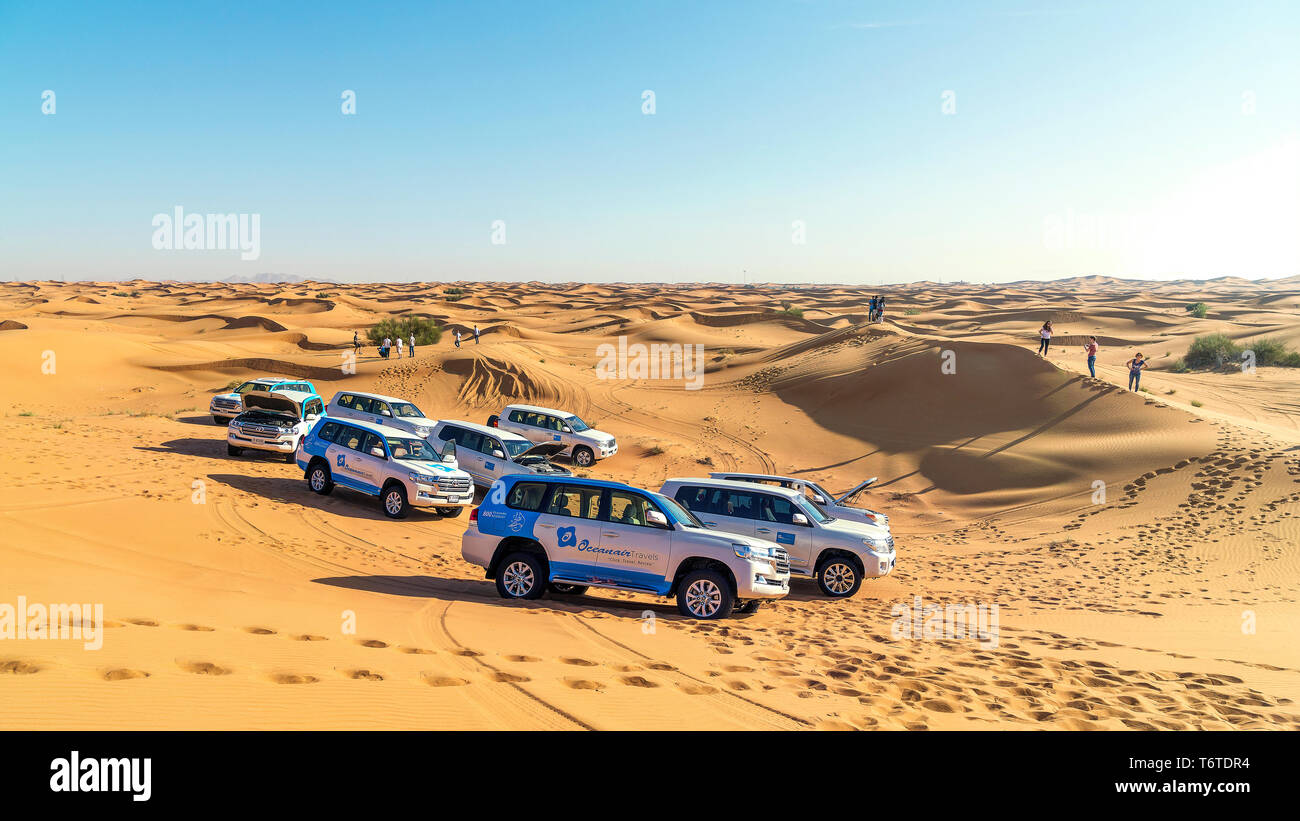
704, 594
233, 451
449, 512
838, 577
394, 497
583, 457
318, 478
566, 589
749, 607
521, 577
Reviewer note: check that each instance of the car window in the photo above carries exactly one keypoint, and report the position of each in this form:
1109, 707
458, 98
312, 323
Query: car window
467, 439
406, 410
776, 509
350, 437
575, 500
628, 508
737, 503
373, 440
380, 408
328, 431
695, 499
356, 403
517, 416
526, 496
312, 406
488, 444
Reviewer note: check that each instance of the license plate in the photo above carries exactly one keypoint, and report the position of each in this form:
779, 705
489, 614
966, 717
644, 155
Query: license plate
453, 498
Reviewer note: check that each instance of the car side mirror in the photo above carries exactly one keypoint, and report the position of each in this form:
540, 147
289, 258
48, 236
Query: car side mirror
377, 452
449, 453
498, 454
568, 429
656, 518
799, 519
818, 499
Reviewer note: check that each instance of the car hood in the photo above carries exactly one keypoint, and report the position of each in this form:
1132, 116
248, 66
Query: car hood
544, 449
438, 470
268, 401
597, 437
858, 528
724, 538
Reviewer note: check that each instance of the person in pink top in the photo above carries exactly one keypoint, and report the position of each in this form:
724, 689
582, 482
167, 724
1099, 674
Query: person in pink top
1091, 350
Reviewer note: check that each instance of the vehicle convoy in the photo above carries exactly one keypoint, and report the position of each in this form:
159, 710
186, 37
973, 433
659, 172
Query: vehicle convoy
838, 554
273, 421
381, 410
404, 471
226, 406
564, 534
840, 507
584, 444
487, 453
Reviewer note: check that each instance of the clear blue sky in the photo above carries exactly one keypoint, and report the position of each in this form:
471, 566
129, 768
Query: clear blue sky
1182, 119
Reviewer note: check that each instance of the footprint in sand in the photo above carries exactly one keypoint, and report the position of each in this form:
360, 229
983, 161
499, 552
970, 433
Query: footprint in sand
21, 668
522, 658
122, 674
438, 680
195, 628
143, 622
260, 631
204, 668
308, 637
637, 681
376, 643
508, 678
697, 689
582, 684
363, 675
415, 651
577, 661
292, 678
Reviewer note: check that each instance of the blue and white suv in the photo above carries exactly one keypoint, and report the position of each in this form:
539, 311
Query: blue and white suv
403, 470
566, 534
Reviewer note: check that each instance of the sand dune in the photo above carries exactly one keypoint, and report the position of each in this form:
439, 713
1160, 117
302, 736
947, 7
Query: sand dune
225, 582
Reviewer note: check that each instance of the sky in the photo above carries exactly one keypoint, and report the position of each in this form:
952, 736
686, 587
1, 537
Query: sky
784, 141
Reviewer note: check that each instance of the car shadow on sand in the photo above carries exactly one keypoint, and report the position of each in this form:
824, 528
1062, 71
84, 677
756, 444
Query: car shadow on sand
293, 490
205, 421
212, 449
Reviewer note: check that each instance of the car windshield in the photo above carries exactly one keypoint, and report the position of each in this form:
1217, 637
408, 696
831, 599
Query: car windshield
676, 512
415, 450
251, 386
577, 424
405, 410
814, 512
516, 447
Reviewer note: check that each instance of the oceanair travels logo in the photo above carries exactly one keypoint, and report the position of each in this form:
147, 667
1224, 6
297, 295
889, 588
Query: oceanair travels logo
179, 231
656, 361
80, 622
568, 537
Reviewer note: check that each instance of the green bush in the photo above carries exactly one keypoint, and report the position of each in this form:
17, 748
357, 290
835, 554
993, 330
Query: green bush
1179, 366
1196, 403
1268, 351
1198, 309
1212, 351
790, 311
426, 330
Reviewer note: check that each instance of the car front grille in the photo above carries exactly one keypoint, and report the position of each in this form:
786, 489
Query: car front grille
260, 430
451, 484
781, 560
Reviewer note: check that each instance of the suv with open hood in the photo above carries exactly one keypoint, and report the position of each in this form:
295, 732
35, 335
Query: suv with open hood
584, 444
487, 454
838, 554
841, 507
226, 406
404, 471
273, 421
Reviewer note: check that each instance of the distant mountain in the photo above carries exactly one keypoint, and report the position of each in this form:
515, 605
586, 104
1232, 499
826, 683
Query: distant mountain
263, 279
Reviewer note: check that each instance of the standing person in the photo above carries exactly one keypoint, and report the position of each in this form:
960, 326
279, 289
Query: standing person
1135, 367
1044, 337
880, 308
399, 346
1091, 350
871, 312
458, 337
356, 343
476, 334
412, 340
388, 343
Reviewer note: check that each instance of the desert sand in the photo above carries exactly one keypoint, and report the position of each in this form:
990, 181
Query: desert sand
227, 585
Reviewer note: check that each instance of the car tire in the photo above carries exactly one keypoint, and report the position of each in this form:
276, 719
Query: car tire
705, 594
748, 607
584, 457
234, 451
319, 478
520, 576
449, 512
839, 577
393, 500
566, 589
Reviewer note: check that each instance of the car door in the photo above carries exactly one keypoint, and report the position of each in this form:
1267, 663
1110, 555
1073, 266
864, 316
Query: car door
494, 466
345, 457
633, 551
345, 406
468, 455
729, 510
569, 528
775, 522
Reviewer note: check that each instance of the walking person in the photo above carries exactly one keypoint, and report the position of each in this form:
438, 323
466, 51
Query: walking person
1044, 337
412, 348
476, 334
383, 351
1135, 367
880, 309
356, 343
458, 337
399, 347
1091, 350
871, 312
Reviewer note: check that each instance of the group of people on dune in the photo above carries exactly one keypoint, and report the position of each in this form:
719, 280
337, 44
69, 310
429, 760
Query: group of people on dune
876, 309
387, 345
1135, 365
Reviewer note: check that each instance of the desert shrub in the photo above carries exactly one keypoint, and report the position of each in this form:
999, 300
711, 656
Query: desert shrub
1268, 351
1291, 360
1179, 366
654, 450
792, 311
912, 311
1196, 403
426, 330
1211, 351
1198, 309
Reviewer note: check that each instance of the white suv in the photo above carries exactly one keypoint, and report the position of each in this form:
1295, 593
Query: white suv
565, 534
838, 554
381, 410
402, 470
487, 454
226, 406
585, 445
841, 507
273, 421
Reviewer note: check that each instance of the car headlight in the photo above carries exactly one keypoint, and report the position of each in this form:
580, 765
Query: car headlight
876, 543
422, 432
421, 478
744, 551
